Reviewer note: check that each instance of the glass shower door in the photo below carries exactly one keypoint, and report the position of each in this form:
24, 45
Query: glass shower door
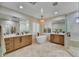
72, 33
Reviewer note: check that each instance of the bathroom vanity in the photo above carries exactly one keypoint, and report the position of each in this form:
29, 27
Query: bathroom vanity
15, 42
57, 38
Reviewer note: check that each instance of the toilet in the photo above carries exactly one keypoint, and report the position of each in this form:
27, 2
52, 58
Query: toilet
41, 39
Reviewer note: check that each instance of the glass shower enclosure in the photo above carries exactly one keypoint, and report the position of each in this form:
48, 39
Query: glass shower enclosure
72, 33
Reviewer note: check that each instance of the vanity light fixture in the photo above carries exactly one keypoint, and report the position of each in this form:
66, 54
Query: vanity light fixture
21, 7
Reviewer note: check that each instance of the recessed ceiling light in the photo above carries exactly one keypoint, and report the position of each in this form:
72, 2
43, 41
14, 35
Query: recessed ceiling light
77, 20
55, 12
20, 7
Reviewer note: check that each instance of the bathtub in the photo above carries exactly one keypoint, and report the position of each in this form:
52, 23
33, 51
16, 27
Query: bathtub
74, 47
41, 39
74, 43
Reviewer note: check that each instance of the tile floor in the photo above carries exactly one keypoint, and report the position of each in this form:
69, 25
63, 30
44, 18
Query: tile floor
40, 50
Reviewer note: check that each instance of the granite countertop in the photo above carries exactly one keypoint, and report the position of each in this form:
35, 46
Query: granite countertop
14, 35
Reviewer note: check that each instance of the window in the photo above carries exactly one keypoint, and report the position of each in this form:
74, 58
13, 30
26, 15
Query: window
24, 26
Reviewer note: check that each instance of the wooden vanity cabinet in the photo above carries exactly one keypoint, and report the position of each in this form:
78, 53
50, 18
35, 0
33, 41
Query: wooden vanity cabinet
57, 38
26, 40
14, 43
9, 44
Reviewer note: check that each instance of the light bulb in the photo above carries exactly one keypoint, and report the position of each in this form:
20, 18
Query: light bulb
55, 12
20, 7
77, 20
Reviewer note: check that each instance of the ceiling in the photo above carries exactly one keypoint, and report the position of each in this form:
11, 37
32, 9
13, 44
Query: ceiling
34, 9
9, 18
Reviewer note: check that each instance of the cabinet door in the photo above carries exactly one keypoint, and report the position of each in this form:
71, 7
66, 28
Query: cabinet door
56, 38
30, 39
26, 40
51, 38
17, 42
9, 44
62, 39
24, 43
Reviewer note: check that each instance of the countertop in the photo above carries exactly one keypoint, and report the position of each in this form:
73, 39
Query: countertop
58, 33
14, 35
55, 33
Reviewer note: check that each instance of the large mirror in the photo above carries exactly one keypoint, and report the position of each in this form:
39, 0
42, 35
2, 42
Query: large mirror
24, 26
58, 26
13, 25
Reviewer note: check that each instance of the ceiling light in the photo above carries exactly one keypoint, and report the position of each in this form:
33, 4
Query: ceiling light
55, 12
55, 3
42, 20
77, 20
20, 7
